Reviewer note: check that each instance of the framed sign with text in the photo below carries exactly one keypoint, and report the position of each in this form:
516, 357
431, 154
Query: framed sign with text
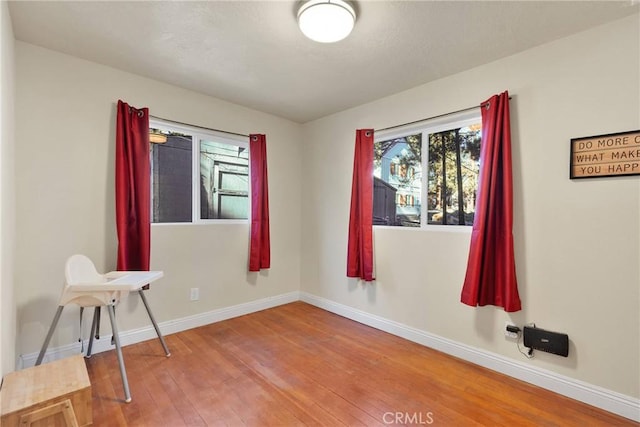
616, 154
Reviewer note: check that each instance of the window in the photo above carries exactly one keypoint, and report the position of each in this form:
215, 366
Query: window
210, 165
448, 152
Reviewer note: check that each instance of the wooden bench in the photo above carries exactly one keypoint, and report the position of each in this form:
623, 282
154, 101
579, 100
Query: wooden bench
54, 394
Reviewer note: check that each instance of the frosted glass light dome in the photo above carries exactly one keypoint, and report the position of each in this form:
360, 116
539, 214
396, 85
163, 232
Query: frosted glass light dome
326, 21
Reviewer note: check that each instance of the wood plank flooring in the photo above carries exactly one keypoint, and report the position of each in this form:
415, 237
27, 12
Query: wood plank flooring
298, 365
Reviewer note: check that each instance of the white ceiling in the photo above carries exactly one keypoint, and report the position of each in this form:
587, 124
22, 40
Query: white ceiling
253, 54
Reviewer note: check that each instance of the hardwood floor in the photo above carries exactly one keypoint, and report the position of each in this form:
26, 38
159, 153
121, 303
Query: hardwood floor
299, 365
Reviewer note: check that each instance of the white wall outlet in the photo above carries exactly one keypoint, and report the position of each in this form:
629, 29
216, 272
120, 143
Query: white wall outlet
509, 334
195, 294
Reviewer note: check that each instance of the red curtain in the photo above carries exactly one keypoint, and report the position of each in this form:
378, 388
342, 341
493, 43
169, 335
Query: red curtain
259, 246
133, 217
491, 272
360, 246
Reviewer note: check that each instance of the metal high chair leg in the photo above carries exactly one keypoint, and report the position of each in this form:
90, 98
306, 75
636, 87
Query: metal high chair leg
116, 338
97, 314
155, 325
94, 330
52, 328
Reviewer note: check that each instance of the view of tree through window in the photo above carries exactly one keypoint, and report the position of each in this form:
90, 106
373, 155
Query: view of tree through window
444, 195
453, 175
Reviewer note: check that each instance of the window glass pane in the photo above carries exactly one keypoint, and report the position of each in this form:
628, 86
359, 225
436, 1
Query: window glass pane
224, 181
171, 179
397, 182
453, 175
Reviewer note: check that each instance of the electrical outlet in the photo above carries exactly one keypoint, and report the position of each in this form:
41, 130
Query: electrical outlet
508, 333
195, 294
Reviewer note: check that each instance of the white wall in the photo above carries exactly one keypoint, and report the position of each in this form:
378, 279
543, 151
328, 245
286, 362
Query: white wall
7, 212
65, 120
577, 242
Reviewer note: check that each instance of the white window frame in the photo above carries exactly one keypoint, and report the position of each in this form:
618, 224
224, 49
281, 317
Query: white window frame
198, 134
425, 128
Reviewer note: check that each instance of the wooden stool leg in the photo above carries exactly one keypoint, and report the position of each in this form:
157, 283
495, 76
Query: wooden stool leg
65, 408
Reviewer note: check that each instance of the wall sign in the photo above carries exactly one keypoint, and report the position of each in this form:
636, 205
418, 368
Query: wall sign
616, 154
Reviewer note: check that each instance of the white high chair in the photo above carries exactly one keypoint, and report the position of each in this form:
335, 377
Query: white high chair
87, 288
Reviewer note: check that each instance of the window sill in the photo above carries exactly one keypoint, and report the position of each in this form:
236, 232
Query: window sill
436, 228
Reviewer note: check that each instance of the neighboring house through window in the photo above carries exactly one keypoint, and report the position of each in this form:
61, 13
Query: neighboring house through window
427, 173
211, 165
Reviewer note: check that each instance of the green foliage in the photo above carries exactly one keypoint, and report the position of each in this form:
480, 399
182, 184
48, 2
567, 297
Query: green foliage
453, 156
445, 144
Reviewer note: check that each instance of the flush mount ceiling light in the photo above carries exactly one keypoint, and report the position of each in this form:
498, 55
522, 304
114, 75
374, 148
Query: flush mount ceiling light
326, 21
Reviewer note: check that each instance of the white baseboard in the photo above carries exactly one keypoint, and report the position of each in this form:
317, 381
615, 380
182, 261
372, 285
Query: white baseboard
169, 327
617, 403
599, 397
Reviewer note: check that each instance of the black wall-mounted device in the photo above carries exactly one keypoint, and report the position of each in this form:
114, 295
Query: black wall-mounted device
550, 342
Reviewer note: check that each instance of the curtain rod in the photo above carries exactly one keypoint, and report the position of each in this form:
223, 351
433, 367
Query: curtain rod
196, 126
434, 117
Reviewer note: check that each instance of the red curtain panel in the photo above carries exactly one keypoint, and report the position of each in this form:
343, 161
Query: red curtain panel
491, 273
259, 245
133, 217
360, 245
